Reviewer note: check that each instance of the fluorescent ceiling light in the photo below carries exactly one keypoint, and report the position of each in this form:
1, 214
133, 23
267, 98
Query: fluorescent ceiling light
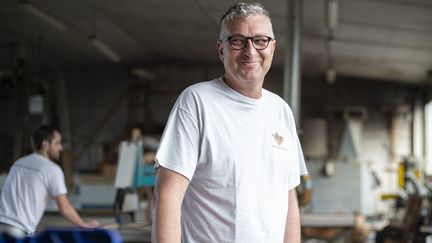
43, 15
142, 73
104, 49
331, 75
332, 14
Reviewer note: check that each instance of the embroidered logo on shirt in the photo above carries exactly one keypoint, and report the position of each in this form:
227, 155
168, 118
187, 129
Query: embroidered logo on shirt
278, 138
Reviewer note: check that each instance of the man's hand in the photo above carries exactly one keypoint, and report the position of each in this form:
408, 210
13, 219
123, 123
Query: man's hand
91, 224
71, 214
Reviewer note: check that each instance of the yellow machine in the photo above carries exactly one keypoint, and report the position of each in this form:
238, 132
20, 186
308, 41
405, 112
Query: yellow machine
409, 178
411, 199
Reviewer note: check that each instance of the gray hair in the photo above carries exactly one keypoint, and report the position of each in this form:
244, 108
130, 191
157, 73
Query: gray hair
241, 10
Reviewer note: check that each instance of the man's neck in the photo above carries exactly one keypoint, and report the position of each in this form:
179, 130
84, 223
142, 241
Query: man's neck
251, 90
43, 153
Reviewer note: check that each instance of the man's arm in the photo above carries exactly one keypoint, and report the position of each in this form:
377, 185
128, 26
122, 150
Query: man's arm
292, 226
168, 197
68, 211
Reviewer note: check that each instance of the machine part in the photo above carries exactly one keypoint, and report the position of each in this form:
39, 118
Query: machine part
304, 190
355, 113
389, 234
329, 168
409, 176
401, 175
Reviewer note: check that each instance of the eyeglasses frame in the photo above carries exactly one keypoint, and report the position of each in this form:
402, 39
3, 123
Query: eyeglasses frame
269, 39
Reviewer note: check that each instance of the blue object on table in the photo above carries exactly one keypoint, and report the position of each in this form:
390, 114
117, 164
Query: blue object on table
144, 173
67, 235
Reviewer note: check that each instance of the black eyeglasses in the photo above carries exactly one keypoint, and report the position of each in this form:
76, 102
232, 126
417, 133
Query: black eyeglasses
239, 42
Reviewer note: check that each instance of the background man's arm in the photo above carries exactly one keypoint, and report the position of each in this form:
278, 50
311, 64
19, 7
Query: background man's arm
292, 226
169, 192
68, 211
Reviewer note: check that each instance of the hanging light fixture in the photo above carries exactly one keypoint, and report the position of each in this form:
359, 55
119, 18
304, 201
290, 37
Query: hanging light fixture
331, 17
42, 15
331, 14
104, 49
100, 45
330, 74
143, 73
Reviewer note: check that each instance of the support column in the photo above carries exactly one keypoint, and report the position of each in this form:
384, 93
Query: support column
292, 64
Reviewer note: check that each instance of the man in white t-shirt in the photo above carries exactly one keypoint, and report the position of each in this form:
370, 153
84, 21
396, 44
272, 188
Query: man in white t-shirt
32, 179
230, 158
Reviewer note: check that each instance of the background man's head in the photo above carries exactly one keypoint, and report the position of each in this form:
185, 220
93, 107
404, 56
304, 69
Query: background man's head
242, 10
47, 141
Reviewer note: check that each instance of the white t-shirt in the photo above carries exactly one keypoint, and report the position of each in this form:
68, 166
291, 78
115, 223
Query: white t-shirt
31, 181
241, 156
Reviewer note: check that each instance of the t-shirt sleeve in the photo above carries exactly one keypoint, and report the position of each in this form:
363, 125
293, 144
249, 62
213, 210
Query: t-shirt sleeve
57, 184
179, 147
297, 156
301, 160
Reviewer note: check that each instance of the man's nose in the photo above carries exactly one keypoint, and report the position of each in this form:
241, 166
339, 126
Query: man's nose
249, 48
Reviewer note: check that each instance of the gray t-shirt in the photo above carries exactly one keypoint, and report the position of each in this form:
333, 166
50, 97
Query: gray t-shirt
31, 181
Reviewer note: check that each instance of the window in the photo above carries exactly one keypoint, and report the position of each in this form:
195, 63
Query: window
428, 138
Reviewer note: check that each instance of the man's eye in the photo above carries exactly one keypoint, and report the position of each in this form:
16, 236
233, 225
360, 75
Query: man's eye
237, 40
260, 40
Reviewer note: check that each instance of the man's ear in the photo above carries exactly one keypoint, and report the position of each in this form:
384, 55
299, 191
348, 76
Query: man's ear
220, 50
45, 144
273, 46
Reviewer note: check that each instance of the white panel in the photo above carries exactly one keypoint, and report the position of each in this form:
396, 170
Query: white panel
126, 165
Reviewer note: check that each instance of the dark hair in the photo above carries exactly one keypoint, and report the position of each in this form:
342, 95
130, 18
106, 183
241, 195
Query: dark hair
43, 132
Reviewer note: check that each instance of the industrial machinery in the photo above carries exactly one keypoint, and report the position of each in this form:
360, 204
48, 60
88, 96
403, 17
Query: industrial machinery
414, 200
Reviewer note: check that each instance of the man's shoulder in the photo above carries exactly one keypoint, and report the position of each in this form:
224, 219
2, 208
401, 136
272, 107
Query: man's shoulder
197, 91
27, 159
277, 103
273, 97
202, 86
36, 161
